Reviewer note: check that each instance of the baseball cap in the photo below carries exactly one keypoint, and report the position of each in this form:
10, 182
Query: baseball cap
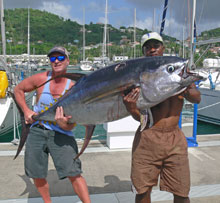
149, 36
60, 50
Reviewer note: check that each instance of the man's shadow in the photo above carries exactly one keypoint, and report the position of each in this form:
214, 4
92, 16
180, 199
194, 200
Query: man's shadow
114, 185
64, 187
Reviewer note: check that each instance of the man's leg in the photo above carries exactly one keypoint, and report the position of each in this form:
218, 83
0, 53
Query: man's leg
80, 188
43, 188
143, 198
178, 199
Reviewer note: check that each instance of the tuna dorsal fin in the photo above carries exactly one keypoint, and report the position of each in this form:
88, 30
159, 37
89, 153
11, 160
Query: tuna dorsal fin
71, 76
89, 132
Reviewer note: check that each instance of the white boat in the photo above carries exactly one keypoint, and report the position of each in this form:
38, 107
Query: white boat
86, 65
209, 107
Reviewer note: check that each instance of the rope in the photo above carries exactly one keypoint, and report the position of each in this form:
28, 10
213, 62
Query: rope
205, 107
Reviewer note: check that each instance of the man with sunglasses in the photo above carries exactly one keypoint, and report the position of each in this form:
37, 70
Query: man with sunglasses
160, 149
46, 138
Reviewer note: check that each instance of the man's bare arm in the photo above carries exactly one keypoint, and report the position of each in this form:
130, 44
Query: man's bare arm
192, 94
27, 85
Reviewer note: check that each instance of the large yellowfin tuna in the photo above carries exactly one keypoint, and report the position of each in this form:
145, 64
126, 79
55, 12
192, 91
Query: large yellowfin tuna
97, 98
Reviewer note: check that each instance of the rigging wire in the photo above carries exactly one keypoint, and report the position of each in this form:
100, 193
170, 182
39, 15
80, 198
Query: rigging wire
201, 13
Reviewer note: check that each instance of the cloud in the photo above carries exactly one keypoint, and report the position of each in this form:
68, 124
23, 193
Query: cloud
120, 13
207, 12
57, 8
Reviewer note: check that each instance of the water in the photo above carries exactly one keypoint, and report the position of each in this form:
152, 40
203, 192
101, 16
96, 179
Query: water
205, 128
79, 131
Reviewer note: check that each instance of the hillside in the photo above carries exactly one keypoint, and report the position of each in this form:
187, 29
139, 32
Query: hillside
47, 30
50, 28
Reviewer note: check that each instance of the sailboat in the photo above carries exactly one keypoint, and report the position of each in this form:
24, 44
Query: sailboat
9, 78
85, 65
104, 60
209, 107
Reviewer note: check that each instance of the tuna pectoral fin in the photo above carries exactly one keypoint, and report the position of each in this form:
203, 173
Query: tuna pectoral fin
89, 132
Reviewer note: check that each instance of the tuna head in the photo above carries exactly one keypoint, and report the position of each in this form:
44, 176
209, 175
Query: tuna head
170, 77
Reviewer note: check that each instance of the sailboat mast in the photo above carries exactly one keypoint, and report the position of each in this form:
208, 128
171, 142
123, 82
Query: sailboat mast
3, 31
191, 62
135, 33
84, 38
183, 44
105, 30
28, 41
164, 16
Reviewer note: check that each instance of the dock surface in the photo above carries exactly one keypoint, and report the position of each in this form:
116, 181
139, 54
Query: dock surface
107, 173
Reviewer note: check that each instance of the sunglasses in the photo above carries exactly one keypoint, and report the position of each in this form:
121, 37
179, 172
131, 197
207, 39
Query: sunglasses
60, 58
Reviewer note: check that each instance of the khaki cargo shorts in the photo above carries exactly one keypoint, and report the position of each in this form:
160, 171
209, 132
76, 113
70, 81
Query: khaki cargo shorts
160, 152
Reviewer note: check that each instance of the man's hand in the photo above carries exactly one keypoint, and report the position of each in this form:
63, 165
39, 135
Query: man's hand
130, 102
131, 98
62, 120
60, 117
28, 116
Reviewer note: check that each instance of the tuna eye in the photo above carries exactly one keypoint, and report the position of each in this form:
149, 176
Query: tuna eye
170, 69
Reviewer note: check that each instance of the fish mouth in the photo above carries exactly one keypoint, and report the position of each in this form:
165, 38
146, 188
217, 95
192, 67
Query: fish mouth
186, 72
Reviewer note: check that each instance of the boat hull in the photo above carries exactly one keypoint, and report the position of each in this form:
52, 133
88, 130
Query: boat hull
11, 118
209, 107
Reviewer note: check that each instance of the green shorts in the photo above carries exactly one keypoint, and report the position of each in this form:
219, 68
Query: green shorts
62, 148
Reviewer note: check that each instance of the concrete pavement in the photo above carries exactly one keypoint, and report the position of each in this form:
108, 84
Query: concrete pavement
107, 173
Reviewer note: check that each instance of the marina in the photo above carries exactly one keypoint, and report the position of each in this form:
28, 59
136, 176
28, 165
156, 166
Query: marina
106, 162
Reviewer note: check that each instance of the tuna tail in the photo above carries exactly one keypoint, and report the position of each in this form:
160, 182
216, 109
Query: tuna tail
89, 132
24, 127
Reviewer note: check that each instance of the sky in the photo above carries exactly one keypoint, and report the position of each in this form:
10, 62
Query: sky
121, 13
